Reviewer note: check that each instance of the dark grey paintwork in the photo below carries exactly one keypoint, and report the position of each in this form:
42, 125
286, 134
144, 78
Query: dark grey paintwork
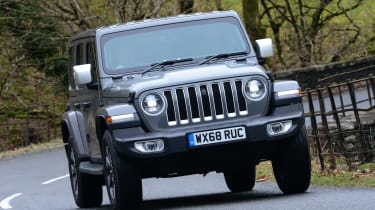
115, 110
214, 96
177, 76
280, 86
255, 108
120, 94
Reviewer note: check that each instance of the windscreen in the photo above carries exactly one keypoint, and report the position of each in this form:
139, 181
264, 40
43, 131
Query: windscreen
135, 50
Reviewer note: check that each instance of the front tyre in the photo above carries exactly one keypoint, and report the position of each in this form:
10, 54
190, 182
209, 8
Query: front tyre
86, 188
124, 185
240, 179
292, 164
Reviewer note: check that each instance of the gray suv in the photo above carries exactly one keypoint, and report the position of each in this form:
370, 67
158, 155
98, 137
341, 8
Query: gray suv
178, 96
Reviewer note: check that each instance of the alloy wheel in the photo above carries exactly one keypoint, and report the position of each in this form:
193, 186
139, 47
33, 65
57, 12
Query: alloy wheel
110, 176
73, 172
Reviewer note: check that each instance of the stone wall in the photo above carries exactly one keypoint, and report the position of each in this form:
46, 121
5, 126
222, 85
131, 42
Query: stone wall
323, 75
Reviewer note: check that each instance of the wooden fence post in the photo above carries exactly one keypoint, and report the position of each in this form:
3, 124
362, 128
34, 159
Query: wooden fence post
48, 123
339, 129
54, 119
369, 92
341, 102
372, 82
27, 126
363, 156
325, 125
7, 120
314, 130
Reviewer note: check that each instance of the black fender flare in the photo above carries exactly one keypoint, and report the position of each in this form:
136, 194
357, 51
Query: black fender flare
74, 132
115, 110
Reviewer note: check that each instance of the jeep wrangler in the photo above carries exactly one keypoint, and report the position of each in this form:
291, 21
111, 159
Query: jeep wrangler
178, 96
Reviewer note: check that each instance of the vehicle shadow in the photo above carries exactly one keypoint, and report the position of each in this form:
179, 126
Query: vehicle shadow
207, 200
203, 200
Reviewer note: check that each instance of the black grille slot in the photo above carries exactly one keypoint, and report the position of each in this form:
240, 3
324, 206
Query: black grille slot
181, 104
170, 108
217, 99
193, 102
205, 101
229, 97
240, 96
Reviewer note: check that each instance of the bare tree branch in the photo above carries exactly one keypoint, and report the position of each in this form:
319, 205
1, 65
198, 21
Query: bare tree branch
275, 26
308, 20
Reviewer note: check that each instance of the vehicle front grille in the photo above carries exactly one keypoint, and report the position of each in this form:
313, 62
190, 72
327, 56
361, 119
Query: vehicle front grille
205, 102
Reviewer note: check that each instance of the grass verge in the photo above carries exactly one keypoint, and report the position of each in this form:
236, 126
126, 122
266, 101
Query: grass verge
364, 176
32, 147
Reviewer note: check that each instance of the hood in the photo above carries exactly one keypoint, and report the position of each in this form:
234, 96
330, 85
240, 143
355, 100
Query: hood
136, 84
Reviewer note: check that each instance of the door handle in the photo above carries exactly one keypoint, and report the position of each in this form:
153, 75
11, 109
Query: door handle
86, 104
77, 105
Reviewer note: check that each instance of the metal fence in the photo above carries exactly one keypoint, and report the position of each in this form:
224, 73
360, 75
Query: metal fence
21, 126
341, 122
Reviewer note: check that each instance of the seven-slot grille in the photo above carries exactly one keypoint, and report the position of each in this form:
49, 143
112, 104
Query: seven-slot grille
205, 102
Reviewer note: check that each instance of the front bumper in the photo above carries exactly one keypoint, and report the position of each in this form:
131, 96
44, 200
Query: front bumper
176, 140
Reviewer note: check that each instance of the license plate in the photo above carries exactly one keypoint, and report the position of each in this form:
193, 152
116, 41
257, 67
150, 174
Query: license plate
216, 136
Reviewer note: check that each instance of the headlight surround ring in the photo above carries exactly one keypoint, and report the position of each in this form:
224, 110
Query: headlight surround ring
255, 89
153, 104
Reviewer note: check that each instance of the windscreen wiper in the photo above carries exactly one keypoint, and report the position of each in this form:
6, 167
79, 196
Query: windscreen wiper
166, 62
222, 55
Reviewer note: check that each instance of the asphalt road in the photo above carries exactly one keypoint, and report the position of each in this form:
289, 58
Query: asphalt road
39, 181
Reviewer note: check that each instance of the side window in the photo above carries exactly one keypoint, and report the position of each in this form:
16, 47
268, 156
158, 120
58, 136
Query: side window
79, 55
91, 59
72, 62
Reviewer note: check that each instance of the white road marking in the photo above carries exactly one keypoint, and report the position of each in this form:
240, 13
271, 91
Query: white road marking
4, 204
56, 179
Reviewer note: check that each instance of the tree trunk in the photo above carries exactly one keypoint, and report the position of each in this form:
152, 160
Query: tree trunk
186, 6
219, 6
251, 18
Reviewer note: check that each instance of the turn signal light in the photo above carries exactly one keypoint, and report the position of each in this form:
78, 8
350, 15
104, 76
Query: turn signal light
119, 118
290, 92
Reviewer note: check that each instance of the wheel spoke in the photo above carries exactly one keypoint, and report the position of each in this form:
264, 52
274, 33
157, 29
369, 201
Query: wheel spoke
73, 171
110, 177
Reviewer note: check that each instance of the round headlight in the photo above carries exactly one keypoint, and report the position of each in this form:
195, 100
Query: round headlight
153, 104
255, 89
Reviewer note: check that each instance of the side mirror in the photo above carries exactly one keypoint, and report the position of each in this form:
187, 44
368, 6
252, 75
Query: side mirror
82, 74
263, 48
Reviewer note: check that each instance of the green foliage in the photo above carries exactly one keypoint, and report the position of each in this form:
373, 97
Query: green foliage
36, 33
367, 166
364, 177
347, 180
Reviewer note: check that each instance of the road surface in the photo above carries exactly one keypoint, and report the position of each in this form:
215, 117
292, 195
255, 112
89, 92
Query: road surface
39, 180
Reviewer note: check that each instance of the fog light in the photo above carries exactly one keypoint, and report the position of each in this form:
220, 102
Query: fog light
150, 146
278, 128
